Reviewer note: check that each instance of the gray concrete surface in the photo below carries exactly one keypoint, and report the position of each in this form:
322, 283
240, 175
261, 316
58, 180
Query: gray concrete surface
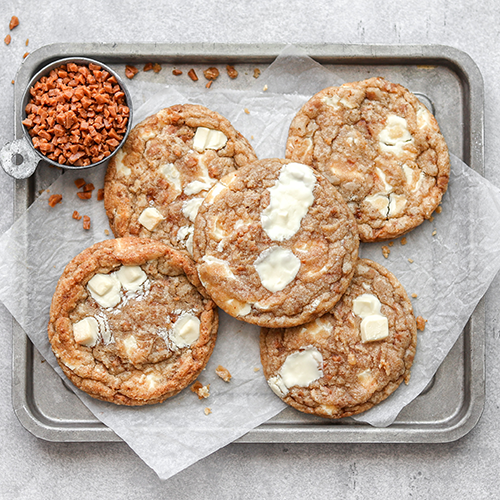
31, 468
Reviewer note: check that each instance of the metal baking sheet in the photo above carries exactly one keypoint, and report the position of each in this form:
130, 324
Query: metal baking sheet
445, 78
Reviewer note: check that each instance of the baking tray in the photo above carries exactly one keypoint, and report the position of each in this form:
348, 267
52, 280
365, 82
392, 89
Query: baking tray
445, 78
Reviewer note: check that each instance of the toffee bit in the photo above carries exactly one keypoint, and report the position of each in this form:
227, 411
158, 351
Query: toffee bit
176, 72
231, 72
54, 199
14, 21
439, 209
27, 42
207, 411
223, 373
403, 240
414, 295
202, 391
76, 215
211, 73
209, 84
25, 55
431, 218
12, 81
247, 111
86, 195
106, 232
156, 68
148, 67
130, 71
80, 183
391, 243
192, 75
256, 73
88, 187
421, 323
256, 369
100, 194
386, 251
7, 39
86, 222
410, 261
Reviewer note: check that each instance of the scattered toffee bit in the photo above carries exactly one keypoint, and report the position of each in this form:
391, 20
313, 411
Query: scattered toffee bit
223, 373
207, 411
27, 42
54, 199
156, 68
86, 222
130, 71
386, 251
414, 295
106, 232
192, 75
148, 67
391, 243
100, 194
80, 183
256, 369
247, 111
14, 21
421, 323
12, 81
256, 73
231, 72
25, 55
202, 391
403, 241
88, 187
85, 195
439, 209
76, 215
77, 114
410, 261
7, 39
431, 218
176, 72
211, 73
209, 84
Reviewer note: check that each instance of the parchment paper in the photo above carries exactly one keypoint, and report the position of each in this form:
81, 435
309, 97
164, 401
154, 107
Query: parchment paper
455, 258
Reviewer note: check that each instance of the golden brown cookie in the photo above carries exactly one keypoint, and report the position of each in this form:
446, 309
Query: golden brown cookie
275, 244
381, 147
128, 323
349, 359
156, 182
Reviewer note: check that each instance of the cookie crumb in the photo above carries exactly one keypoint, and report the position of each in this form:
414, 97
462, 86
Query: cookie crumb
7, 39
431, 219
386, 251
211, 73
223, 373
14, 21
256, 369
410, 261
231, 72
434, 232
391, 243
247, 111
264, 88
439, 209
130, 71
202, 391
403, 241
76, 215
421, 323
176, 72
414, 295
256, 73
86, 222
54, 199
192, 74
207, 411
106, 232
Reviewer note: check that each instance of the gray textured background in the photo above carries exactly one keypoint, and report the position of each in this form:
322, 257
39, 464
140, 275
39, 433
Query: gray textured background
31, 468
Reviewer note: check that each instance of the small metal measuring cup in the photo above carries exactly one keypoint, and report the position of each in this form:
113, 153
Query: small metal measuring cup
19, 158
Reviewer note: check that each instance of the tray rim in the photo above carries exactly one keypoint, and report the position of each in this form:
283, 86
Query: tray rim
462, 423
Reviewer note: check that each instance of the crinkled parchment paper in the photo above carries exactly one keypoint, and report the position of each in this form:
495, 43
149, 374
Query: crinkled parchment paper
454, 258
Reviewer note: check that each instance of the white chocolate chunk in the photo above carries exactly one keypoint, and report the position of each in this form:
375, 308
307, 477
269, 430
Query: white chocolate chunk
291, 197
104, 330
185, 235
276, 267
152, 379
366, 304
121, 168
206, 138
237, 307
203, 183
374, 327
218, 266
394, 135
318, 327
216, 189
186, 330
332, 101
397, 202
300, 369
130, 346
424, 117
147, 135
86, 331
366, 378
150, 217
172, 175
190, 208
105, 289
382, 177
380, 202
411, 175
131, 277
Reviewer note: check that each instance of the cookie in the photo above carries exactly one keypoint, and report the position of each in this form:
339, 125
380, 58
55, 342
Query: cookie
128, 323
156, 182
275, 244
351, 358
381, 147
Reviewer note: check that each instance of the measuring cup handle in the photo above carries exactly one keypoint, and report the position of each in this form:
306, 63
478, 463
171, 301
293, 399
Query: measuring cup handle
19, 159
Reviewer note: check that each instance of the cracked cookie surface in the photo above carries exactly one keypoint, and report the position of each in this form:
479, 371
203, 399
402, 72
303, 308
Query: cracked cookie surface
337, 366
275, 244
156, 182
128, 323
381, 147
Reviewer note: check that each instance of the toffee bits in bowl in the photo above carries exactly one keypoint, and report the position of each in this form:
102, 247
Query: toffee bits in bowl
76, 113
